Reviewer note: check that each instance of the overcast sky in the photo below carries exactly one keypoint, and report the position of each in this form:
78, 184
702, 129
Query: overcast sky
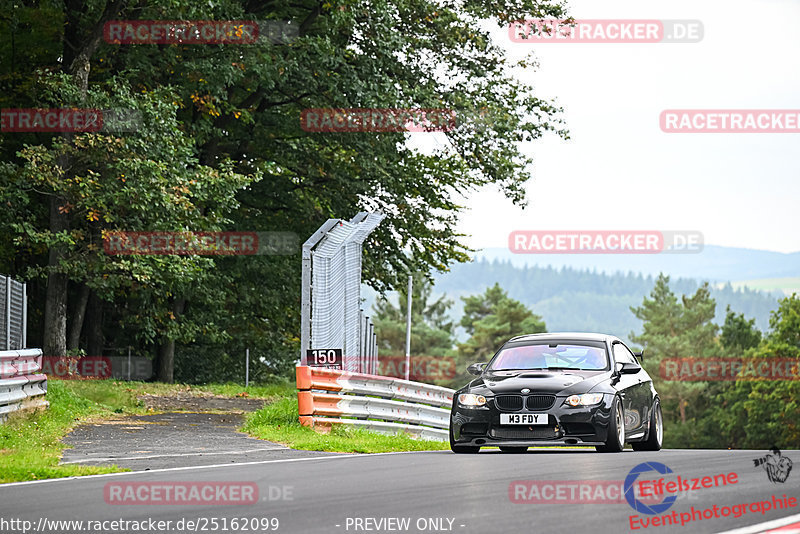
620, 171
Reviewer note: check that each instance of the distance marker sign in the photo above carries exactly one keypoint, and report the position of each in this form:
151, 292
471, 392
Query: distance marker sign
330, 358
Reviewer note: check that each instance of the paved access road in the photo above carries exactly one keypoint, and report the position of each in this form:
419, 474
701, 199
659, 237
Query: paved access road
434, 491
175, 439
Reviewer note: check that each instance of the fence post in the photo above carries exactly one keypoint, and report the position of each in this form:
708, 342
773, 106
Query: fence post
246, 367
8, 313
408, 327
25, 315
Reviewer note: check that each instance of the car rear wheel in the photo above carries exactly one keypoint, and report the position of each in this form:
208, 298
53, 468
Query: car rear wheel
616, 430
462, 449
516, 450
655, 436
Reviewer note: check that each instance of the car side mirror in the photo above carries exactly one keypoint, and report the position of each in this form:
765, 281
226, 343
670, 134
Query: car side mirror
476, 368
639, 355
627, 368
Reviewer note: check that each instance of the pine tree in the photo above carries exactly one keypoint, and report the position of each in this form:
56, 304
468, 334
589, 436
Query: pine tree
760, 414
738, 333
678, 329
491, 319
432, 333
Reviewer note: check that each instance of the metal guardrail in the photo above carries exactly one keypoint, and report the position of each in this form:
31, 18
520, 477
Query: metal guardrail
22, 386
393, 405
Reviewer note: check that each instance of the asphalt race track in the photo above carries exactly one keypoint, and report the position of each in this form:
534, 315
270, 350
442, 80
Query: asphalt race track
435, 491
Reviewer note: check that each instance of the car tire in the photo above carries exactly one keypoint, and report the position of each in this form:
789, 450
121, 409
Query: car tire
655, 435
514, 450
462, 449
615, 441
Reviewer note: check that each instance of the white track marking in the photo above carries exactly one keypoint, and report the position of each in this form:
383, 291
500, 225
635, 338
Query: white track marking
211, 453
761, 527
335, 456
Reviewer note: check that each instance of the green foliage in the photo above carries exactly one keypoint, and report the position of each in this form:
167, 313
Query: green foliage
755, 414
491, 319
738, 334
431, 330
760, 414
221, 148
572, 299
146, 181
678, 329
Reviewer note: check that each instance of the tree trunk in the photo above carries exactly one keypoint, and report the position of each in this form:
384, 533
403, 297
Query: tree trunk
77, 52
77, 318
166, 361
166, 351
55, 308
94, 325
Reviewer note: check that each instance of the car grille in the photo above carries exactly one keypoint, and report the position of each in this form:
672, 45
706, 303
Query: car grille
508, 403
524, 433
513, 403
540, 402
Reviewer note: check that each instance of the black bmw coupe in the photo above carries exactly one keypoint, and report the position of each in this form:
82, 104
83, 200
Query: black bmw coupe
558, 389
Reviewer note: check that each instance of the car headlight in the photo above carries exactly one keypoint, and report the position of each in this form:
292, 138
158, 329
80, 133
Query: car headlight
470, 400
587, 399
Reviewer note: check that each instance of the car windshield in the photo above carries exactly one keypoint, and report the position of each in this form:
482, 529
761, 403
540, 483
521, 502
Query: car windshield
550, 356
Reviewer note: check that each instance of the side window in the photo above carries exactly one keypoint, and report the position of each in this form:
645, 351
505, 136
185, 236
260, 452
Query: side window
622, 354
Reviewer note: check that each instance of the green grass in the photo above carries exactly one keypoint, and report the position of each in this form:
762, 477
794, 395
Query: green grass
30, 443
279, 422
30, 446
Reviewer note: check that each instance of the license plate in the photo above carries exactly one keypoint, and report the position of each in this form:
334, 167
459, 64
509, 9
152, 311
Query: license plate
523, 418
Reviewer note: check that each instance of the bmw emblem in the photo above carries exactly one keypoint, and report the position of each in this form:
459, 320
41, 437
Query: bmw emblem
526, 390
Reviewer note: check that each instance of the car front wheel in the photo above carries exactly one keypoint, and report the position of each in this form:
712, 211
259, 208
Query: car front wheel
615, 441
462, 449
656, 435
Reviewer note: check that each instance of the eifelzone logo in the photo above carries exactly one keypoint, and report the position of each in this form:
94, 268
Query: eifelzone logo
777, 467
636, 504
669, 488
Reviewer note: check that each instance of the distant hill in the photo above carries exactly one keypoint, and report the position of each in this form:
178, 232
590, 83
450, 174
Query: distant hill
598, 296
581, 300
714, 263
787, 285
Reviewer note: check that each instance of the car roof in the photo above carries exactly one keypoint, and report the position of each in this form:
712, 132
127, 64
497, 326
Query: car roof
566, 336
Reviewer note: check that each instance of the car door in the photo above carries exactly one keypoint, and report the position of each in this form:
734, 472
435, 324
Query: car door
635, 390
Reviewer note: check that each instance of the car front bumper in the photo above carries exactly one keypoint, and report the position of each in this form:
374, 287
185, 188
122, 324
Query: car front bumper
583, 425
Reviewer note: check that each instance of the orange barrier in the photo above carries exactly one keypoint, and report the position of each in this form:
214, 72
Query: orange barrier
393, 405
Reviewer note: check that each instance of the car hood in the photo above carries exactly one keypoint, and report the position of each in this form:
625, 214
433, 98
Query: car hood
563, 382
